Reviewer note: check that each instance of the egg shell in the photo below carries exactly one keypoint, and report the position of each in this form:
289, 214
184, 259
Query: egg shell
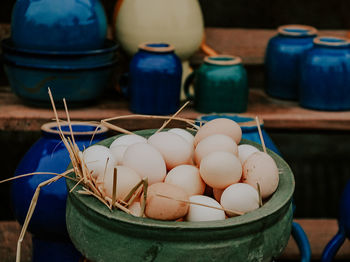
212, 143
146, 161
217, 193
128, 140
219, 126
188, 178
240, 197
183, 133
261, 168
174, 149
127, 179
99, 160
135, 208
244, 151
220, 169
202, 213
163, 208
118, 153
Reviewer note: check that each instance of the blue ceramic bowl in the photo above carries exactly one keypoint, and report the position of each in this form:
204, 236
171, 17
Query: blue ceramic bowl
325, 70
58, 25
80, 77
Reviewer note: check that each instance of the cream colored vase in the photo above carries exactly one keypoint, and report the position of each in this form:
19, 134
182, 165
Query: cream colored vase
177, 22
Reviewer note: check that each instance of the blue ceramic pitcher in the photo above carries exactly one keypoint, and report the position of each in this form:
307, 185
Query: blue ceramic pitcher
325, 75
48, 224
155, 80
283, 57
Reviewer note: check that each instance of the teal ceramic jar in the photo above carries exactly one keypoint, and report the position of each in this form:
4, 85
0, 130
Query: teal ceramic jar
220, 85
260, 235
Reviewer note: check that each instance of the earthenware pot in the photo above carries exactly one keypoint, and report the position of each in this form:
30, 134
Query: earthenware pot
155, 80
325, 70
260, 235
58, 25
179, 23
344, 227
283, 57
220, 85
48, 224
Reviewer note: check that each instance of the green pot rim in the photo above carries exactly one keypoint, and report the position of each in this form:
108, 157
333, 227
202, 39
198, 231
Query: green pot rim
280, 199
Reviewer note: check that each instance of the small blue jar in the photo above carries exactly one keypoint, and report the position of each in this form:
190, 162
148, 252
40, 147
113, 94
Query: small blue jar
325, 75
282, 60
155, 80
48, 223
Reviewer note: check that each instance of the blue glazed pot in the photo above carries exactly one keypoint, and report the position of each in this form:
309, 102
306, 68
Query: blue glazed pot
325, 75
48, 225
58, 24
81, 77
283, 57
155, 80
344, 227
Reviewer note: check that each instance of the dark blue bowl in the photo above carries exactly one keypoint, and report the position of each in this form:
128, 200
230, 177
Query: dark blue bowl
80, 77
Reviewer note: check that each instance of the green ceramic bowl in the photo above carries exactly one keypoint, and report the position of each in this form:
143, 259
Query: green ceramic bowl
109, 236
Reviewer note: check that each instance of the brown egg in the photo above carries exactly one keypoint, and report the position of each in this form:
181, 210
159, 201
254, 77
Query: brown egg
219, 126
162, 208
261, 168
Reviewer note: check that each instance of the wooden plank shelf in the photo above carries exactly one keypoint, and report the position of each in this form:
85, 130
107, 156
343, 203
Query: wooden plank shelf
277, 114
319, 231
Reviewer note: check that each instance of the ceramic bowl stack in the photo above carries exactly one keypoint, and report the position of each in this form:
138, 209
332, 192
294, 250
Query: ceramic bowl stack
59, 44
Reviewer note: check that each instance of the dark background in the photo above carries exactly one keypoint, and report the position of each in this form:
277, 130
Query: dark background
319, 159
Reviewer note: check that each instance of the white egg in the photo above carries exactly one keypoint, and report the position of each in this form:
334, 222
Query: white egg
212, 143
188, 178
146, 161
220, 169
219, 126
261, 168
127, 140
118, 153
98, 160
240, 197
183, 133
202, 213
174, 149
135, 208
244, 151
127, 179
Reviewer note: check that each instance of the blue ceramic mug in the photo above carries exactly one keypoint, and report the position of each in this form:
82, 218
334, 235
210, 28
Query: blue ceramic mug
282, 60
155, 80
325, 75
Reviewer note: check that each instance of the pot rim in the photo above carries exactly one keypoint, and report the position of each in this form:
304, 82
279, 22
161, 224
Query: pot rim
223, 60
52, 128
297, 30
332, 41
273, 204
157, 47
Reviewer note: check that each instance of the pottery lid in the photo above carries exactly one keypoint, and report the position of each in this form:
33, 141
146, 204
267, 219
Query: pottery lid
297, 30
157, 47
332, 41
224, 60
79, 128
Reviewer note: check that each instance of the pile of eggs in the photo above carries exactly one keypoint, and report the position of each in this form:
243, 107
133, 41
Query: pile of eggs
181, 169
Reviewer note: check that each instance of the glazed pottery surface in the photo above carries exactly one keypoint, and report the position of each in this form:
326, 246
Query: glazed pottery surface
58, 24
325, 75
80, 77
179, 23
283, 57
220, 85
48, 154
155, 80
260, 235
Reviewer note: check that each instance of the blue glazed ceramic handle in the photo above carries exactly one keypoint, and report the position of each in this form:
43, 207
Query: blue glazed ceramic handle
189, 80
333, 246
302, 241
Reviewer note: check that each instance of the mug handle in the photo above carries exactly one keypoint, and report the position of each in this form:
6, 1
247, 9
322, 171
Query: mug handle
333, 246
189, 80
302, 242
